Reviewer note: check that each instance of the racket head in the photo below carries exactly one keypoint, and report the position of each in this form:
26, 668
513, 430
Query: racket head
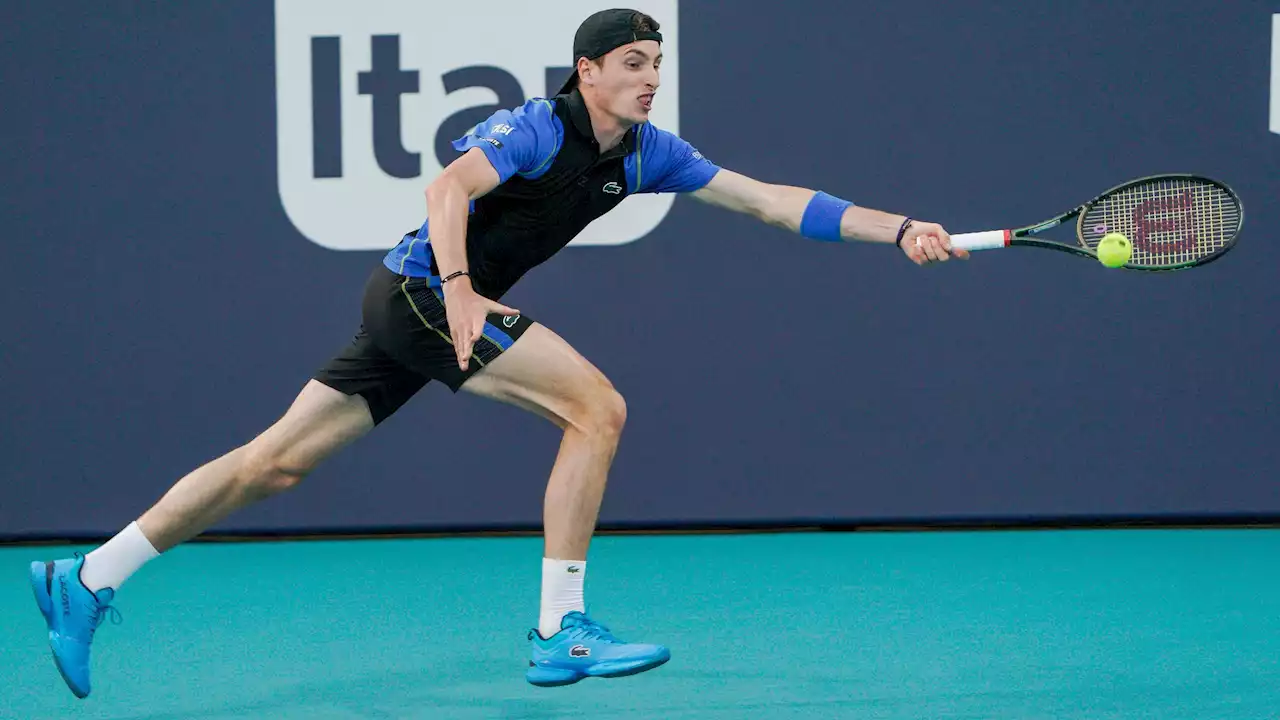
1174, 221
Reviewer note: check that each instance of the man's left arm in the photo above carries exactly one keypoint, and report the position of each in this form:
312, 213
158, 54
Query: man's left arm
676, 167
820, 216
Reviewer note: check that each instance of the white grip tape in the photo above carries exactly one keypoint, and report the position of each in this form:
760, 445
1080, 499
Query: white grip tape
981, 240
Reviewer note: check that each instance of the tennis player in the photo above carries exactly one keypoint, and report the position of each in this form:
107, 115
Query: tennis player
528, 180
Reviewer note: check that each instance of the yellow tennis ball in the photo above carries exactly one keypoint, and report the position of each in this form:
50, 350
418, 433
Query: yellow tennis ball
1114, 250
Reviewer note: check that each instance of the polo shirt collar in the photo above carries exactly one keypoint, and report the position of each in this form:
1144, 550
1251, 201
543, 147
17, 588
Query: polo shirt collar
582, 123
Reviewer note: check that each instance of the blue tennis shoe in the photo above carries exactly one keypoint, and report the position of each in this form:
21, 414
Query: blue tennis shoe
73, 614
585, 648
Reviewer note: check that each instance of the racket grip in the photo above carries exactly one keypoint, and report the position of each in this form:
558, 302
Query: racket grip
987, 240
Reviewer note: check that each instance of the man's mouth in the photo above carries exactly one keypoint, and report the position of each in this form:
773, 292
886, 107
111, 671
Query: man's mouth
646, 101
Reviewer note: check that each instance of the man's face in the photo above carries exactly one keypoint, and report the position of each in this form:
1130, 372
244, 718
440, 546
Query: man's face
626, 79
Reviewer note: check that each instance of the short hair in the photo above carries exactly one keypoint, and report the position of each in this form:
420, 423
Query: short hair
641, 22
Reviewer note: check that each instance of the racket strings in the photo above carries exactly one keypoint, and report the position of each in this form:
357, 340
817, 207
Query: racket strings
1170, 221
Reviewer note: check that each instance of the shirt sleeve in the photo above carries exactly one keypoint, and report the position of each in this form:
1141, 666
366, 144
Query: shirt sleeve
668, 164
521, 141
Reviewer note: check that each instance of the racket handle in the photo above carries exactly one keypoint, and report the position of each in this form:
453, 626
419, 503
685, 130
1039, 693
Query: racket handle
987, 240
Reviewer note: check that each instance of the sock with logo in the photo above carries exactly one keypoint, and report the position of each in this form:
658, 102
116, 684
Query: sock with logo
121, 556
562, 582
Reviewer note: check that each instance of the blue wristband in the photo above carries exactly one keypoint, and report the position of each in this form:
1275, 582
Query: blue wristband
821, 220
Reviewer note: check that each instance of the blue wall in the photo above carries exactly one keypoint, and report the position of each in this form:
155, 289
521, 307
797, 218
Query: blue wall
159, 307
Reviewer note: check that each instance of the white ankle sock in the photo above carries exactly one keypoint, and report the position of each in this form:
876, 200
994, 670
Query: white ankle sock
562, 582
121, 556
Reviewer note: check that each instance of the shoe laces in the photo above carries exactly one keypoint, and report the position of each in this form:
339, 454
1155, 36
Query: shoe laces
584, 628
102, 612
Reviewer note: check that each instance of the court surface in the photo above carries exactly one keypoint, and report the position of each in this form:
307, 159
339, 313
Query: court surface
1132, 624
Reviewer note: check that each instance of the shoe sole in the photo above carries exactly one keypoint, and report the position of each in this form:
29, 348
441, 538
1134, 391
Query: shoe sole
600, 671
39, 581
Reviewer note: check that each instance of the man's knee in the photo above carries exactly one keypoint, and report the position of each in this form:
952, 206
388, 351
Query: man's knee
319, 422
614, 411
264, 470
603, 412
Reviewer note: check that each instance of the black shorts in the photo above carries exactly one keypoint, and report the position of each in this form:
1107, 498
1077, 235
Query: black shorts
403, 343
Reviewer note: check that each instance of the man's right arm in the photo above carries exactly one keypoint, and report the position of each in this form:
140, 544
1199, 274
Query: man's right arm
449, 199
509, 142
448, 204
521, 141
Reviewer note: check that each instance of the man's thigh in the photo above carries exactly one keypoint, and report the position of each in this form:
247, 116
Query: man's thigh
544, 374
515, 361
318, 423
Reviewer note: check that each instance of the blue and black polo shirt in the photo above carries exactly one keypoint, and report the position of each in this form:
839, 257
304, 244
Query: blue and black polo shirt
554, 181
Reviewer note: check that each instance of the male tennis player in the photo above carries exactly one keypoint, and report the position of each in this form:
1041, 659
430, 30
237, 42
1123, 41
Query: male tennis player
528, 181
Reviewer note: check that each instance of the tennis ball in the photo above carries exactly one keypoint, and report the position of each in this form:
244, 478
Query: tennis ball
1114, 250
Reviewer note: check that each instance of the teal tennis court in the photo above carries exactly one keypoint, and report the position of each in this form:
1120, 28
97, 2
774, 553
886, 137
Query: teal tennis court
1093, 624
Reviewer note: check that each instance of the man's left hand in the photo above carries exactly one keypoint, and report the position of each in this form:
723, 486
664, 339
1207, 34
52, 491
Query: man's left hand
928, 243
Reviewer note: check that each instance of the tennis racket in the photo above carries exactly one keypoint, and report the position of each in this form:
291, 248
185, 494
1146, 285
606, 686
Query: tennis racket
1174, 222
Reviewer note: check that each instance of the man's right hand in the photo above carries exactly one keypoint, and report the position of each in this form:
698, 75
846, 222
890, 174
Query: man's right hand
466, 310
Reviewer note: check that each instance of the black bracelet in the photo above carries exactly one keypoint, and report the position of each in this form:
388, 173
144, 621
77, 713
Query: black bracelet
902, 231
454, 275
